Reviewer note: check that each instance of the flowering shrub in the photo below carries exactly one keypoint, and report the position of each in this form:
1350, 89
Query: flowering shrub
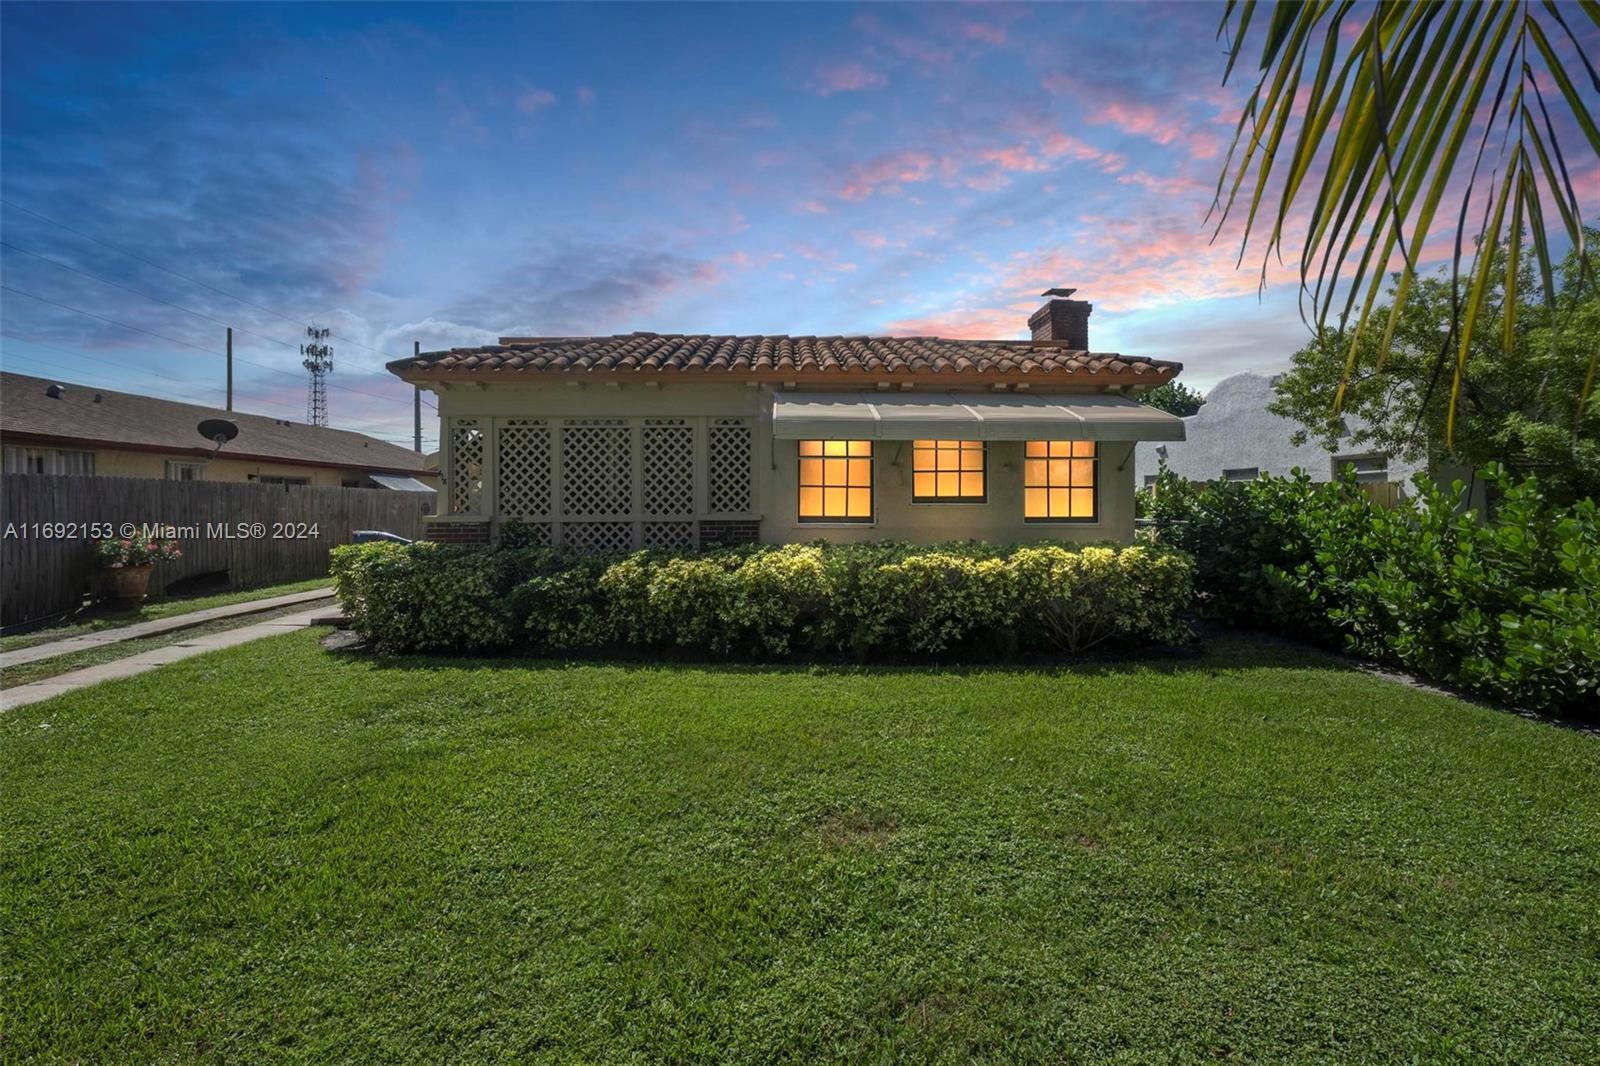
137, 550
765, 601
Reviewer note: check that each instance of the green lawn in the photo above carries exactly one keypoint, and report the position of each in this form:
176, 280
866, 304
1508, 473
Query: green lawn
274, 853
112, 617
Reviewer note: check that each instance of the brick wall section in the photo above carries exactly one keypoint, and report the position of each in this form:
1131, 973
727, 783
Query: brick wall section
722, 534
473, 533
1066, 321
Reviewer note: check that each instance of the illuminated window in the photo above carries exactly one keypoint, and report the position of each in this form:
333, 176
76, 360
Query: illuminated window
947, 471
836, 481
1059, 481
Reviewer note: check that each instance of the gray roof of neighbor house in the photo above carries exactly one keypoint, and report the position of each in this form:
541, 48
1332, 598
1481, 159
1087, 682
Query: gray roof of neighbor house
86, 417
841, 360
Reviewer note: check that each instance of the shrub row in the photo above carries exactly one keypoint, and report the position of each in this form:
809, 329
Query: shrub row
1508, 606
766, 601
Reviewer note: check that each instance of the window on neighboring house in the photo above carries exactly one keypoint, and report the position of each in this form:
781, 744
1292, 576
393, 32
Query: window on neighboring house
1241, 473
1060, 481
948, 471
279, 479
1368, 468
19, 460
350, 482
177, 471
836, 481
1151, 479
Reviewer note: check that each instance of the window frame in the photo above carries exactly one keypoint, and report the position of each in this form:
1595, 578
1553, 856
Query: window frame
1094, 517
801, 485
174, 465
983, 448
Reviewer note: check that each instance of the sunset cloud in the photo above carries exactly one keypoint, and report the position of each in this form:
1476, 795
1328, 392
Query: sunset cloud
846, 77
887, 172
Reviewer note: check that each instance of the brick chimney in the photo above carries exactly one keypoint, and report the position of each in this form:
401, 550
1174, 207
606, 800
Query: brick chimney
1063, 320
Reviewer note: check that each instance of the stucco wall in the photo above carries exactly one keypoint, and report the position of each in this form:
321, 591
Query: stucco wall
776, 464
999, 520
112, 463
1234, 430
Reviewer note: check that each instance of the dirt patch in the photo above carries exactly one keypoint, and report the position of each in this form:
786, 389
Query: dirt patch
872, 830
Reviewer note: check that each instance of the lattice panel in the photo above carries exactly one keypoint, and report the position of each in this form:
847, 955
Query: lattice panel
674, 535
598, 536
597, 468
728, 456
466, 466
525, 535
523, 484
668, 467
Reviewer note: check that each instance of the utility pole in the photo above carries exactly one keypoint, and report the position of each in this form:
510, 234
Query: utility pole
416, 401
319, 360
230, 368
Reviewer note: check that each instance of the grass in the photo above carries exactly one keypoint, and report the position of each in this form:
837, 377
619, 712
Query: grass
114, 617
273, 853
39, 669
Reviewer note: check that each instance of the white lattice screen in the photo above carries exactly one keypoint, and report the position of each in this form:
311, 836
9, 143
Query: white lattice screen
606, 484
467, 446
522, 481
668, 467
598, 536
597, 468
728, 454
676, 535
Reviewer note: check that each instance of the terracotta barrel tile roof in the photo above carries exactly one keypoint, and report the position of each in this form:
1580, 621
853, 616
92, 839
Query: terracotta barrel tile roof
774, 356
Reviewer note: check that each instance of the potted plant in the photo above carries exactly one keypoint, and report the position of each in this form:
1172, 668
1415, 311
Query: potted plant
129, 560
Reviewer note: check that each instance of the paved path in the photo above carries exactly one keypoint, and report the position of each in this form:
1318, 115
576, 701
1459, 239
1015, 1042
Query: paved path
101, 638
149, 660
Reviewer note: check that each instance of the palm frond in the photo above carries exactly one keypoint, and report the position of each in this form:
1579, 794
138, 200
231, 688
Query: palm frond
1355, 140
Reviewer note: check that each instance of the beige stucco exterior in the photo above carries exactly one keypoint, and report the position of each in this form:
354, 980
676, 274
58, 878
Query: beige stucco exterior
492, 405
114, 462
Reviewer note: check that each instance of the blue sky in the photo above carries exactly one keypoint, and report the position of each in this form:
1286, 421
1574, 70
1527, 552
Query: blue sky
446, 174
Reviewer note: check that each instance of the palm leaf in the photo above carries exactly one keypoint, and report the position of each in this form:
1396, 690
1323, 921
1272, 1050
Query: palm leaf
1422, 100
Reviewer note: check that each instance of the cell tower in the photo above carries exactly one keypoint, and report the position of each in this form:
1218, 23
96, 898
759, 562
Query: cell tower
319, 360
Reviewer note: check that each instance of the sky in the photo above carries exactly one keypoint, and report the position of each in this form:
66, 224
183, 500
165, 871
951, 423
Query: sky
445, 175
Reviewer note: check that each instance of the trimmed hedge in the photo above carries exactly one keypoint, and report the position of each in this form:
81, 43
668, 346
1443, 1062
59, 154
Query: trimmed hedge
1508, 606
766, 601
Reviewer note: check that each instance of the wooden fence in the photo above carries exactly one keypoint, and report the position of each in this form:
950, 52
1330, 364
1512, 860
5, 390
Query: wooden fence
241, 533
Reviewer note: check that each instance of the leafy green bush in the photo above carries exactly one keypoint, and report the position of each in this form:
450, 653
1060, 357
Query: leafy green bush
1508, 606
769, 600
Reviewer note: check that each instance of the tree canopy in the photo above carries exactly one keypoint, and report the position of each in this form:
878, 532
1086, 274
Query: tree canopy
1518, 406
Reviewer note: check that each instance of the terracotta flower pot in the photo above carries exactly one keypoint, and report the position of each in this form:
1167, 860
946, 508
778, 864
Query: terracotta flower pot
130, 584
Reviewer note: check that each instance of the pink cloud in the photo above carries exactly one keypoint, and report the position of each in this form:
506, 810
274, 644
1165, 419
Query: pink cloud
980, 31
534, 100
888, 171
1015, 158
846, 77
975, 324
585, 96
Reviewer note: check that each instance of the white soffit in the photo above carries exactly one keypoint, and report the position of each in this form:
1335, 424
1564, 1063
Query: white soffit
968, 415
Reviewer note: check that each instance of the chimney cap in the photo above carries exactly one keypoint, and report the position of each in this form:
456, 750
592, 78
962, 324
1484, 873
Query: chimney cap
1063, 293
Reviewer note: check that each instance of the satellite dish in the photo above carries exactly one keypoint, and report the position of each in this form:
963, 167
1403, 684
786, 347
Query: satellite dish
219, 431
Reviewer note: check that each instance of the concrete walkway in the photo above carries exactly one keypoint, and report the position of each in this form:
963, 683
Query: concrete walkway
156, 627
144, 661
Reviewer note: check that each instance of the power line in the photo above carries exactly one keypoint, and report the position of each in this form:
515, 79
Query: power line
186, 344
185, 277
140, 292
189, 397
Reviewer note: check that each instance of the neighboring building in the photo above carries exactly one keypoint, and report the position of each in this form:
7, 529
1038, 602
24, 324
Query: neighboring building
49, 427
1235, 437
685, 441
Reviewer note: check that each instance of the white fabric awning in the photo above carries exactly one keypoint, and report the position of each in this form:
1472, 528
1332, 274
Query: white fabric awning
968, 415
400, 483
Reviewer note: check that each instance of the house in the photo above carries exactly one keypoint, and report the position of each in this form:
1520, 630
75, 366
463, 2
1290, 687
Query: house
1234, 437
53, 427
695, 441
